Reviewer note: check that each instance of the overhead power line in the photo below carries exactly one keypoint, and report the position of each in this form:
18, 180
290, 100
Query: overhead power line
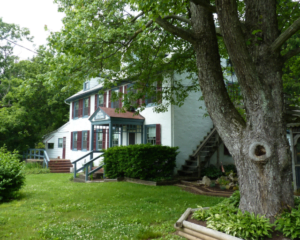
22, 46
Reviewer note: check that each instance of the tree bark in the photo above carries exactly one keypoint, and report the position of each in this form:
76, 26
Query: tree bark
258, 145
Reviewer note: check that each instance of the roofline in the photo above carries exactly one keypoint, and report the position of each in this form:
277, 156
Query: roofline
94, 91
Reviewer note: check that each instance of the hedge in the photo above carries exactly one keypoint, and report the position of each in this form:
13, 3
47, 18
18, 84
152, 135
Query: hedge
143, 161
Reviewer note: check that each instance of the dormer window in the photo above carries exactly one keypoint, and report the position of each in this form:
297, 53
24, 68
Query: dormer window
86, 86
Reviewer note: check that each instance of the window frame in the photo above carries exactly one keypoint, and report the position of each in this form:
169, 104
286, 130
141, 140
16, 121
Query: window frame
146, 133
83, 107
117, 101
82, 135
62, 143
86, 85
98, 100
74, 146
97, 134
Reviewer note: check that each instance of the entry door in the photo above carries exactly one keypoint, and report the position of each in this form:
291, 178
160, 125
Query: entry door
131, 138
64, 148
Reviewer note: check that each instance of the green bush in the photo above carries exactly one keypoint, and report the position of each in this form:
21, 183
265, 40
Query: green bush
12, 177
144, 161
211, 171
230, 167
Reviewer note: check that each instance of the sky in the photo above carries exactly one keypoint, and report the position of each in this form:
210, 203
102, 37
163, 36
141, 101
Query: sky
34, 15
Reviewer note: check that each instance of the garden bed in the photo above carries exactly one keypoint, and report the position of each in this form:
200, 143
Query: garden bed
151, 183
194, 229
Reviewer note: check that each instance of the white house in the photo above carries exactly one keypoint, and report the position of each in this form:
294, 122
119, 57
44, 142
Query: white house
94, 125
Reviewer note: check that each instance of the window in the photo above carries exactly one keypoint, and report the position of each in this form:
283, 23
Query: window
115, 139
60, 142
76, 109
151, 135
114, 104
75, 140
86, 86
50, 145
86, 107
101, 101
155, 97
84, 140
99, 140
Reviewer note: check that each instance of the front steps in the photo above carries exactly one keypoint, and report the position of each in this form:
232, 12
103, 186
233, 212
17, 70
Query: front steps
60, 165
201, 154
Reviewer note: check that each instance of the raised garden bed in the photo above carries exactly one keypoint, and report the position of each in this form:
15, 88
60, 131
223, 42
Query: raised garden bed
151, 183
196, 230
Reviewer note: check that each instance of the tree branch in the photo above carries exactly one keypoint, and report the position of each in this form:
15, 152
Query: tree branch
178, 31
204, 4
289, 32
182, 19
137, 16
291, 54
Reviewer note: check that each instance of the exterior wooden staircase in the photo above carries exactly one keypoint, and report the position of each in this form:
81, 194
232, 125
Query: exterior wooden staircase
60, 165
201, 155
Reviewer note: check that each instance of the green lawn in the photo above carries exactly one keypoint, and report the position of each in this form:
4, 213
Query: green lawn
52, 207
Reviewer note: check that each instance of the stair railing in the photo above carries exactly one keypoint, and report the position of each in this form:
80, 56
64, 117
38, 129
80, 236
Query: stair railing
81, 158
37, 153
90, 164
203, 144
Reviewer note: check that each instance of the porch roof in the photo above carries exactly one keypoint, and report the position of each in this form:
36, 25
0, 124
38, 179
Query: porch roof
129, 115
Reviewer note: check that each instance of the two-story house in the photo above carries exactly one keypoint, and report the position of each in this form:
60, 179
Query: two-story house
94, 125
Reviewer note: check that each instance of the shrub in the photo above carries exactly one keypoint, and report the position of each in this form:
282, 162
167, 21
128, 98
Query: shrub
144, 161
211, 171
11, 175
289, 223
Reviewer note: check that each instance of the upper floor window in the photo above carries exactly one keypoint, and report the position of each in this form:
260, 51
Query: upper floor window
115, 104
86, 86
86, 107
76, 109
101, 101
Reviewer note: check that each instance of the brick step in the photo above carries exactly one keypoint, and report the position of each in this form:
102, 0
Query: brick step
61, 161
60, 168
60, 165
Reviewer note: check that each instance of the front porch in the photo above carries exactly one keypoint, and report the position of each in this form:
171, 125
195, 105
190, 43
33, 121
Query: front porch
109, 129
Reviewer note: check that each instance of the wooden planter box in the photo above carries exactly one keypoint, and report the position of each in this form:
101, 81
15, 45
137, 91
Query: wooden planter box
193, 231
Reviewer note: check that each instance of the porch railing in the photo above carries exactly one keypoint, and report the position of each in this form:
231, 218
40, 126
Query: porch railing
87, 164
37, 153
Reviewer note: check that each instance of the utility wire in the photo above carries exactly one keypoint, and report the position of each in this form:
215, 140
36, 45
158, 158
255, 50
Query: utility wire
22, 46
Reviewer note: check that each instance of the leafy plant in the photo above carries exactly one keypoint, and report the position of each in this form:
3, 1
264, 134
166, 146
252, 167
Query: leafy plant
11, 174
289, 223
230, 167
223, 181
211, 171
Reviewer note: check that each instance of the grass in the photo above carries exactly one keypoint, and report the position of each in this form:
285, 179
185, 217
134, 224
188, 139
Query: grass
35, 168
52, 207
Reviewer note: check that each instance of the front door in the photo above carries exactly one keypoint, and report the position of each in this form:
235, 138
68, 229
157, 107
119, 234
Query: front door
131, 138
64, 149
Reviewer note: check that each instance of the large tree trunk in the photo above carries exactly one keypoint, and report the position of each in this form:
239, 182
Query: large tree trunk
258, 145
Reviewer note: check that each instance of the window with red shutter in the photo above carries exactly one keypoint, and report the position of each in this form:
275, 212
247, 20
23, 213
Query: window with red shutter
120, 100
71, 140
104, 99
79, 140
89, 111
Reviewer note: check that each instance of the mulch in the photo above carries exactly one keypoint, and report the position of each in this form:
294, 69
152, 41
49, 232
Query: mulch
275, 236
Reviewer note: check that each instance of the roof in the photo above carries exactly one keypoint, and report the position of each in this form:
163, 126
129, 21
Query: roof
111, 113
291, 125
48, 134
86, 93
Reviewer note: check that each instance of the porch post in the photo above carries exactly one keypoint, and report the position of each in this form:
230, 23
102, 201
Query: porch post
293, 145
110, 134
92, 142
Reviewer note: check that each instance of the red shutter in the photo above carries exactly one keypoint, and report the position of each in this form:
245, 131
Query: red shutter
125, 89
96, 101
158, 134
120, 100
79, 140
88, 141
72, 110
71, 140
95, 135
89, 112
104, 99
109, 98
104, 139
